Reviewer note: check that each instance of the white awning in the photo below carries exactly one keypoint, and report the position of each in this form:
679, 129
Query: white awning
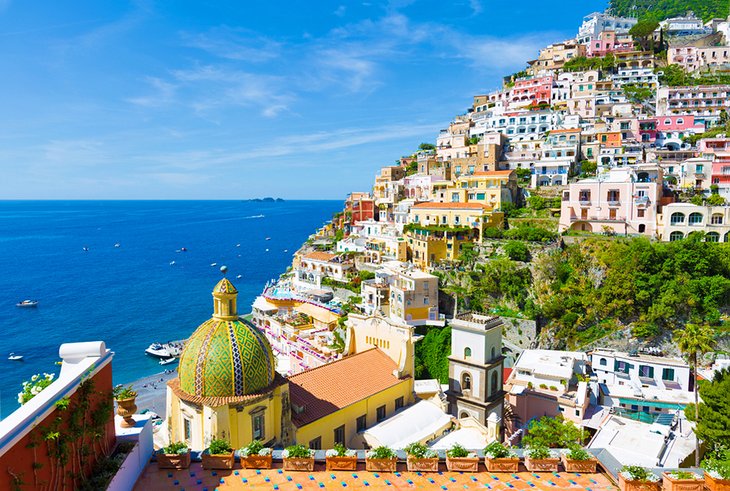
420, 422
264, 305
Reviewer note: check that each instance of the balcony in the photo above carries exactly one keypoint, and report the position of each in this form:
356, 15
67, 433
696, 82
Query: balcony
595, 218
614, 203
584, 202
642, 200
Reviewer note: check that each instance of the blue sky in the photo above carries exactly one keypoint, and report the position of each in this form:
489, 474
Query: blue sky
182, 99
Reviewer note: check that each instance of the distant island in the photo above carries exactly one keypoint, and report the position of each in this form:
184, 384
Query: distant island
268, 199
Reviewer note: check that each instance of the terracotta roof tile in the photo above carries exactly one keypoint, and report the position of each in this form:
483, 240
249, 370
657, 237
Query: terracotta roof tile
320, 256
449, 206
326, 389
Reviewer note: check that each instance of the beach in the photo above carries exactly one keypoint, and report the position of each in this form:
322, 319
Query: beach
151, 392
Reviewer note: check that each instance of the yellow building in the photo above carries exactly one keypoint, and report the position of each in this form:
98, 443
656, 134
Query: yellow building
491, 189
437, 231
227, 385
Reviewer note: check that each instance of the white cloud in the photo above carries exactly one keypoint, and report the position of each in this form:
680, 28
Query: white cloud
235, 44
163, 94
340, 11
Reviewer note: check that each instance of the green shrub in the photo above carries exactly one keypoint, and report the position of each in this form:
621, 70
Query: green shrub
381, 452
576, 452
420, 451
496, 450
517, 251
219, 446
298, 451
179, 448
538, 452
457, 451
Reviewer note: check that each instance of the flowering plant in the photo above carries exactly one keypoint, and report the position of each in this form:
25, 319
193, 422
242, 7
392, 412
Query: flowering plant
34, 387
496, 450
638, 473
381, 453
681, 475
297, 452
539, 452
717, 464
178, 448
420, 451
576, 452
254, 448
340, 451
459, 452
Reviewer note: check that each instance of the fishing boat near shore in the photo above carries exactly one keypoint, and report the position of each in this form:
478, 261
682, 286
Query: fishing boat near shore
167, 361
171, 349
27, 303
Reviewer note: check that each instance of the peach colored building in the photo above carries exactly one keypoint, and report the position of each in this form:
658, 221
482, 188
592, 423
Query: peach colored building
623, 200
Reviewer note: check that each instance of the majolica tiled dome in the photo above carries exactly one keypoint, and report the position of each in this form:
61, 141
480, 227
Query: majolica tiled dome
226, 357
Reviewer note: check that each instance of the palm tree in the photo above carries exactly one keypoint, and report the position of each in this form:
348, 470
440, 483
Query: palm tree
692, 341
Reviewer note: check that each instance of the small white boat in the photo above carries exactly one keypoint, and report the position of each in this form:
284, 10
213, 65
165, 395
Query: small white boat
14, 357
267, 250
213, 265
86, 249
27, 303
172, 263
286, 250
238, 245
117, 245
238, 277
268, 238
167, 361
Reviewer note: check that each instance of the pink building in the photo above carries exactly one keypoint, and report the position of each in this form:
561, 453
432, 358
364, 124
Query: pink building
624, 200
533, 90
718, 150
671, 129
609, 42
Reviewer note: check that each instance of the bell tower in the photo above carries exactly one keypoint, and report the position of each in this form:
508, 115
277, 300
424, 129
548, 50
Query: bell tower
225, 296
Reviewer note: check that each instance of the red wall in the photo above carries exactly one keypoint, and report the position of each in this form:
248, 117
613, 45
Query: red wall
19, 460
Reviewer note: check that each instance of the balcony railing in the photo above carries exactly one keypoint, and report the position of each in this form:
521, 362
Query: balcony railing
598, 219
585, 202
614, 202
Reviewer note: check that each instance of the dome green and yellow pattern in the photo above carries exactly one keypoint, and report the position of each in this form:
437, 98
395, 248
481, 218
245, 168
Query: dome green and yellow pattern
226, 358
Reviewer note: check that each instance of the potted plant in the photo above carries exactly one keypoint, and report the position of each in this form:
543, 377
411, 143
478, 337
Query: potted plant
578, 459
255, 456
298, 458
539, 458
717, 471
381, 459
126, 408
460, 459
174, 456
499, 458
218, 455
682, 481
341, 458
421, 458
637, 478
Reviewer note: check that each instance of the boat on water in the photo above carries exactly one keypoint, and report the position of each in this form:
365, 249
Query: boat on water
85, 249
184, 249
238, 245
167, 361
172, 263
14, 357
27, 303
117, 245
165, 350
213, 265
268, 238
238, 277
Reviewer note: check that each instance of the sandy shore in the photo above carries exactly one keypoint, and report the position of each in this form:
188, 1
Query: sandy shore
151, 391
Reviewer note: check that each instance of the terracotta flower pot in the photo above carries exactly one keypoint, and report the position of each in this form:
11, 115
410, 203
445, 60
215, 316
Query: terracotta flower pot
625, 485
502, 464
341, 463
580, 466
256, 462
716, 484
671, 484
462, 464
173, 460
542, 465
299, 464
218, 461
126, 408
380, 465
422, 465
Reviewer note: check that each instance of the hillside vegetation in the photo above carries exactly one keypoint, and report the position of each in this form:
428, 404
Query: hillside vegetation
664, 9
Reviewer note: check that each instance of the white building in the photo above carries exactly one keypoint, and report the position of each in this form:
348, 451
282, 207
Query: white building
644, 77
597, 22
548, 368
678, 220
560, 154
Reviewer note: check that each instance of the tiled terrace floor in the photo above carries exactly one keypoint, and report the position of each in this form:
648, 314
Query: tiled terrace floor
197, 479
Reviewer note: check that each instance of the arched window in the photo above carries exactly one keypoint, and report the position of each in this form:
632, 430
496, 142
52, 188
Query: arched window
494, 388
494, 351
602, 362
676, 218
712, 237
466, 381
463, 414
716, 219
467, 352
676, 235
695, 218
727, 237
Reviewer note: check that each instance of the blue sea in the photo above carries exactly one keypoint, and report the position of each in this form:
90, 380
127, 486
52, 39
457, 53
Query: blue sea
130, 296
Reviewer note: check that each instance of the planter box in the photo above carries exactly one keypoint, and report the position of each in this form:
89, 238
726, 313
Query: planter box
671, 484
423, 465
462, 464
580, 466
256, 462
380, 465
173, 460
218, 461
625, 485
341, 463
542, 465
299, 464
502, 464
716, 484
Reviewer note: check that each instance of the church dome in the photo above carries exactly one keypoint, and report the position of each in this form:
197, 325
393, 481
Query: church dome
226, 357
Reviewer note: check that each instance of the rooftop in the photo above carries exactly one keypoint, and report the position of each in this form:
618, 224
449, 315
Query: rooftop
449, 206
323, 390
195, 478
548, 362
320, 256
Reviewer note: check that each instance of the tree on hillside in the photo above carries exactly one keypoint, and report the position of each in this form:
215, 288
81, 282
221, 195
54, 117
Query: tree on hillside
553, 432
643, 33
427, 146
469, 255
695, 340
637, 94
713, 426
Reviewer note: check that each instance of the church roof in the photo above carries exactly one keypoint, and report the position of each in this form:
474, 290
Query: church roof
174, 384
224, 286
331, 387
